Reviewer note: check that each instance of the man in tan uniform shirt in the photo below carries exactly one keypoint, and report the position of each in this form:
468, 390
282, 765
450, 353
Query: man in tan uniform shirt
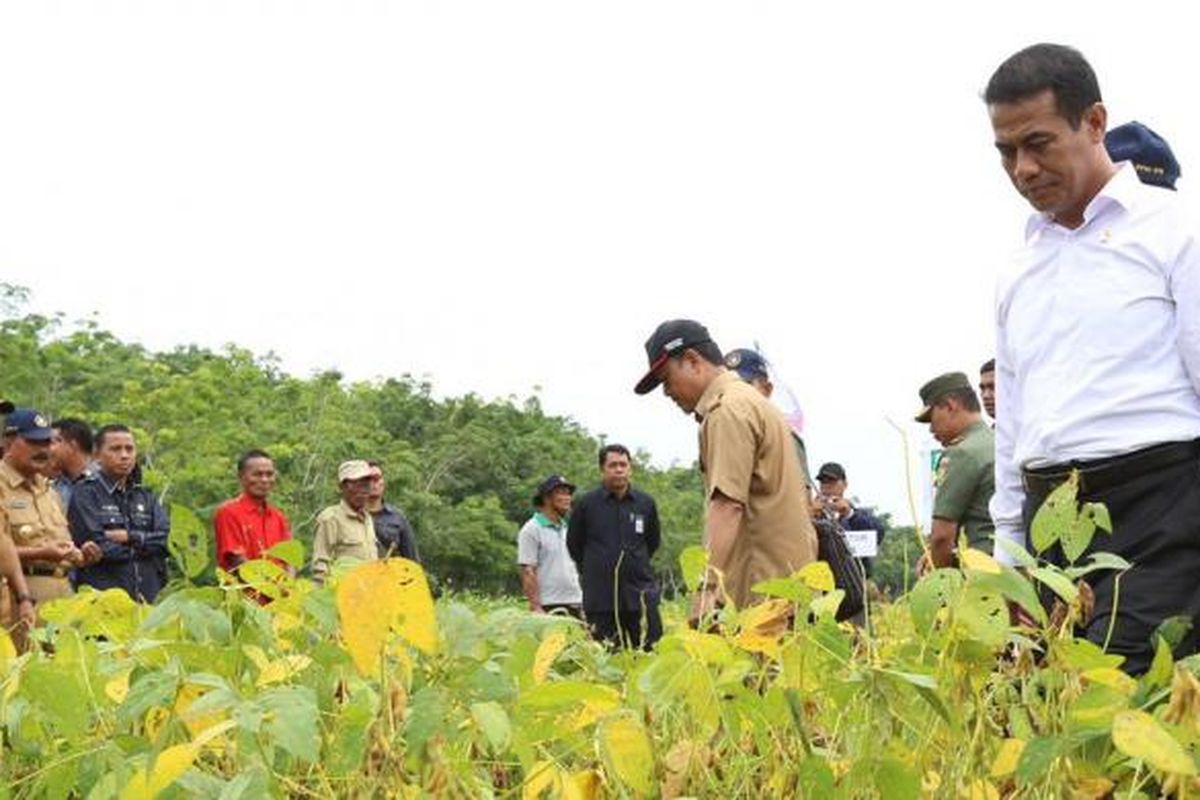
757, 524
346, 530
16, 604
31, 514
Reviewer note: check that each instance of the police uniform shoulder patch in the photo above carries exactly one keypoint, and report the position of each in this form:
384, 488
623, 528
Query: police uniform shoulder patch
943, 466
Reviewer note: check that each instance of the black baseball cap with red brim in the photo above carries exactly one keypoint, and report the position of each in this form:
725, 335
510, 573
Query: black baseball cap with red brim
672, 337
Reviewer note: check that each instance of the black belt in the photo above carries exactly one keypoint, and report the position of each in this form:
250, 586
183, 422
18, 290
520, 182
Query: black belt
45, 570
1106, 473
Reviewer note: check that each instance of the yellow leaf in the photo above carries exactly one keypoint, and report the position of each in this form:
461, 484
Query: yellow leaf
117, 686
541, 777
817, 575
150, 779
547, 651
256, 655
582, 785
196, 723
281, 669
1006, 760
1137, 734
981, 789
979, 561
8, 651
627, 754
378, 599
1112, 678
1092, 789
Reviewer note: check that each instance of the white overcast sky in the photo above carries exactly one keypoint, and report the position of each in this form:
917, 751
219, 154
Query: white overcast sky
507, 195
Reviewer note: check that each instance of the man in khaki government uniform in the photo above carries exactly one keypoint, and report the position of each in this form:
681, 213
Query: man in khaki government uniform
346, 529
964, 480
16, 604
757, 524
32, 513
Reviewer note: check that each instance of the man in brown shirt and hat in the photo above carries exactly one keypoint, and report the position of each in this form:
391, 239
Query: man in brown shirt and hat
757, 524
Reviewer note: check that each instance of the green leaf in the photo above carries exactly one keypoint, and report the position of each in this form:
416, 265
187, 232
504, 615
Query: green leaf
351, 733
816, 779
1018, 553
1098, 561
897, 780
1059, 583
1174, 629
1014, 587
929, 595
693, 563
1095, 708
1162, 667
290, 551
493, 721
188, 541
428, 715
627, 753
157, 688
1056, 515
983, 615
1076, 537
1098, 514
59, 694
290, 717
1036, 759
1138, 735
1082, 655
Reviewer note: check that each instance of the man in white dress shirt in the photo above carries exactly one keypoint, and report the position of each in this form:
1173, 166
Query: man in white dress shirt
1098, 350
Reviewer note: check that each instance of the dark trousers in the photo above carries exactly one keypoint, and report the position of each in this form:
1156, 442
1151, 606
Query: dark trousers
1156, 527
624, 628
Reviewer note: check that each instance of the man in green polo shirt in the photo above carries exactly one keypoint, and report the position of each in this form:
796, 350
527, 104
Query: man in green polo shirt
964, 480
548, 575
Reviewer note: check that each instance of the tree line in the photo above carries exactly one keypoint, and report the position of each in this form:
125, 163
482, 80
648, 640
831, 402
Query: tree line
462, 468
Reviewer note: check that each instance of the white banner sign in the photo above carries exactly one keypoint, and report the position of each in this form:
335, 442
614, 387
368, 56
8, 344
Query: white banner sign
863, 544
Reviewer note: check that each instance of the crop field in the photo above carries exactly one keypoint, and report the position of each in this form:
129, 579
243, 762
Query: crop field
368, 688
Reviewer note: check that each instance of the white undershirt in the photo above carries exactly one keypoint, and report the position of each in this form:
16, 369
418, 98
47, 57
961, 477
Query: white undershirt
1097, 338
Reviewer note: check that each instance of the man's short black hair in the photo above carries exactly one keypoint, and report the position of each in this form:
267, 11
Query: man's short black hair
988, 366
75, 431
613, 448
250, 455
1061, 69
105, 430
966, 398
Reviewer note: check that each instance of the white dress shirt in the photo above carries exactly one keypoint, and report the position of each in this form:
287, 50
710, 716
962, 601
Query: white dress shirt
1097, 338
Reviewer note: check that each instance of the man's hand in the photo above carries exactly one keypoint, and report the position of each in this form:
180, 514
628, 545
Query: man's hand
58, 551
118, 535
91, 553
26, 614
841, 506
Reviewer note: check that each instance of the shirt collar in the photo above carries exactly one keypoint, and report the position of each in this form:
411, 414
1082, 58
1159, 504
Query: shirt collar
712, 395
545, 522
12, 477
1122, 188
350, 512
249, 502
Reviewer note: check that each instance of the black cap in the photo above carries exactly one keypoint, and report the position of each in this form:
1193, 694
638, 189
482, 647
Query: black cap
6, 406
669, 338
1150, 154
831, 471
28, 424
549, 485
749, 364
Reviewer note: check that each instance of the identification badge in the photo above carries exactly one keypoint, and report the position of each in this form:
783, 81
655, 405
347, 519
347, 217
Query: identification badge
863, 544
639, 524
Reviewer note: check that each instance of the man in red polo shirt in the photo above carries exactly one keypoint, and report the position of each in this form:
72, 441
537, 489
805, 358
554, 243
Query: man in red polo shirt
248, 526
